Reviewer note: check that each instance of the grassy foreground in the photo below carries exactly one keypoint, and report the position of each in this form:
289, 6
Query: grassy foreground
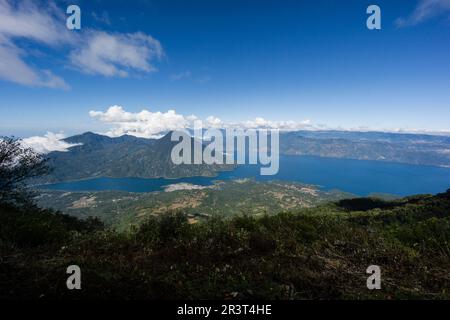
316, 253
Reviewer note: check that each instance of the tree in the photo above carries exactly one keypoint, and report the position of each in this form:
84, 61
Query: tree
17, 165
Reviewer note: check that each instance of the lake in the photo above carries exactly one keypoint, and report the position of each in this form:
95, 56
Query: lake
356, 176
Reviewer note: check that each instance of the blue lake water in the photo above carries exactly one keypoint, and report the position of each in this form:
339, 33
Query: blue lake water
355, 176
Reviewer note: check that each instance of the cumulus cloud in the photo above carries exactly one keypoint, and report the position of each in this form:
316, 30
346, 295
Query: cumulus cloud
149, 124
425, 9
141, 124
257, 123
117, 54
261, 123
90, 51
214, 122
25, 20
48, 143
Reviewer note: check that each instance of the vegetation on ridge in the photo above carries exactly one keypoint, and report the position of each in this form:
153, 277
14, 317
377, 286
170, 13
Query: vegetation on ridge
315, 253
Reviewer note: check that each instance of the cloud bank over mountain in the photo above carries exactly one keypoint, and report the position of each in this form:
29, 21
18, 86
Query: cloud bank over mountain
153, 124
47, 143
148, 124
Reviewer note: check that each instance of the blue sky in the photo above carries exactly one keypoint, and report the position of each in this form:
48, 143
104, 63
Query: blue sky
235, 60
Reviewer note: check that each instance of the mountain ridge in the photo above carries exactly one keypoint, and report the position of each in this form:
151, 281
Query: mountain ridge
96, 155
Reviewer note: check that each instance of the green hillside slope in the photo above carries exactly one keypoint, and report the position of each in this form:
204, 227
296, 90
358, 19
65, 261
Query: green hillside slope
314, 253
125, 156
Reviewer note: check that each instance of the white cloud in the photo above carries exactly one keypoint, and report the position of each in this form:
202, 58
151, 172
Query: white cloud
26, 21
141, 124
214, 122
261, 123
90, 51
425, 9
13, 68
146, 124
117, 54
47, 143
152, 124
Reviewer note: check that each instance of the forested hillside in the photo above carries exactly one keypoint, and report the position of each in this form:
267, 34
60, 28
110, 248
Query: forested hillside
96, 155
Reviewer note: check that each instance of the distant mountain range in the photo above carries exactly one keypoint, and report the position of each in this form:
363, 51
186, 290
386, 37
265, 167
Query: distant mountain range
129, 156
393, 147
